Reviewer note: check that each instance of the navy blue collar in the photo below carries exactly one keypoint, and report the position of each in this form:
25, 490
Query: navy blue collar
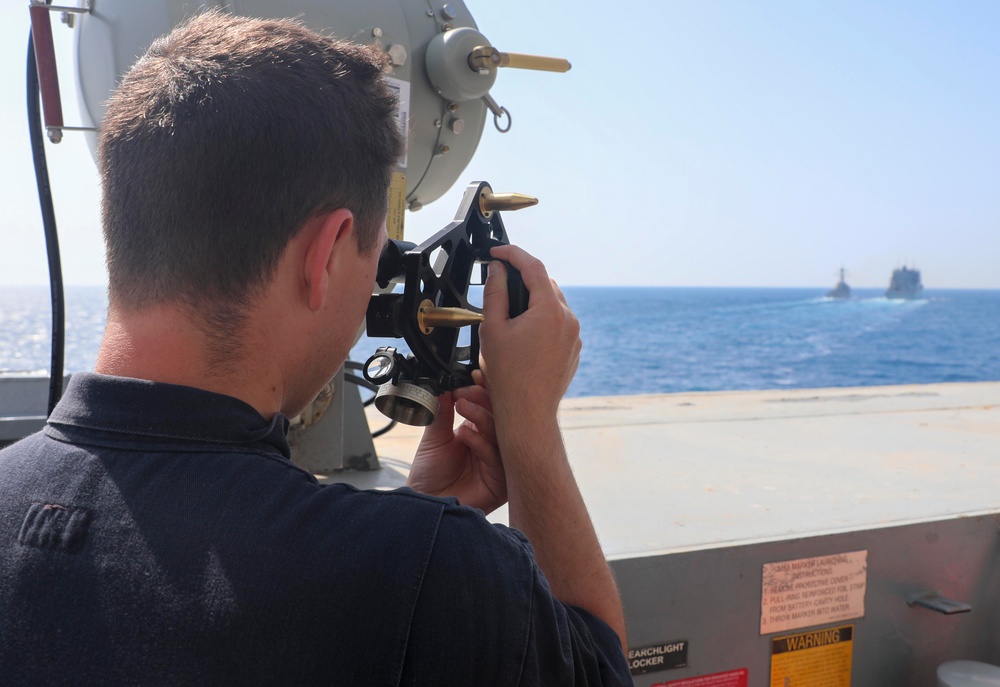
141, 408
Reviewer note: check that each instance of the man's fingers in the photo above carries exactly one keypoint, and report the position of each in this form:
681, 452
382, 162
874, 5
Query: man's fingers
478, 377
472, 438
536, 279
496, 302
475, 393
559, 293
480, 417
444, 420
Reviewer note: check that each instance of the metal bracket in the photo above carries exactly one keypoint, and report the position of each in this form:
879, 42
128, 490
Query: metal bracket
498, 113
84, 9
936, 602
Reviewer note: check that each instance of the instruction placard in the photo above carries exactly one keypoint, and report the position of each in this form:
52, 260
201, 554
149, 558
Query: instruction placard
813, 591
730, 678
821, 658
401, 89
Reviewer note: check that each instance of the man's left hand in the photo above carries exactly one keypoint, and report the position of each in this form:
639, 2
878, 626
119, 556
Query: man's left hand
463, 462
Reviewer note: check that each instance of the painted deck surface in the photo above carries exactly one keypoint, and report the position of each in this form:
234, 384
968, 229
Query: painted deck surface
677, 472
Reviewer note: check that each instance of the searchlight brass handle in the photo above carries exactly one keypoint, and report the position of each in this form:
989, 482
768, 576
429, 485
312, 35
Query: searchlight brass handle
489, 58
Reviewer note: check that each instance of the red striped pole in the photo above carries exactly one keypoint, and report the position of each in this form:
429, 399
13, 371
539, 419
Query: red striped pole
48, 77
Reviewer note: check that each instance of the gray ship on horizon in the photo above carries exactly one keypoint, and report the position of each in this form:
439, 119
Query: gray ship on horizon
905, 283
841, 291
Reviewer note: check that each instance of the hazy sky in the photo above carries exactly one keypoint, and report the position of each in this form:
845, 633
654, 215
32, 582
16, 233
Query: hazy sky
694, 142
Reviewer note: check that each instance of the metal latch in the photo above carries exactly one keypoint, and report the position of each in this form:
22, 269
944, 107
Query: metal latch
936, 602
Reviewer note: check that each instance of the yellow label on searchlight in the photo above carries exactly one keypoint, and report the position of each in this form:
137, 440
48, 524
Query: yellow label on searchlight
821, 658
397, 206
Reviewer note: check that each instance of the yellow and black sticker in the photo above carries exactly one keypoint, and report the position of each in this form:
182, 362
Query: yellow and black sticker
821, 658
397, 206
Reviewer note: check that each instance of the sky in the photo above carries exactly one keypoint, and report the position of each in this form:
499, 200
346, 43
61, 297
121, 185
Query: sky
693, 143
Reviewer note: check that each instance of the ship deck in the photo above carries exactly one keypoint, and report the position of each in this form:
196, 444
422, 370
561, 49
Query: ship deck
680, 472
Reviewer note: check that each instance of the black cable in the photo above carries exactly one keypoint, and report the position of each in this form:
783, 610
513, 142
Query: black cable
378, 433
360, 381
49, 224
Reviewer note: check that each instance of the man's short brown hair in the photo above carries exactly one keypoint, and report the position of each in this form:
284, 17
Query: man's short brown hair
221, 142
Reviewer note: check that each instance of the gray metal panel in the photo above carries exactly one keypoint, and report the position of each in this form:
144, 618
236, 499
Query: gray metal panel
15, 429
713, 599
24, 402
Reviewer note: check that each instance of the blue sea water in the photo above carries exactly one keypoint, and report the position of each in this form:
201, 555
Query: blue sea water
655, 340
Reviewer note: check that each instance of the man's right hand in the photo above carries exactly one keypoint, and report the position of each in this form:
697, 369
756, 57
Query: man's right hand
530, 359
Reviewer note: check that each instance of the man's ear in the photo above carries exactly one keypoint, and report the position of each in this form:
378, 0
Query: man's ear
334, 229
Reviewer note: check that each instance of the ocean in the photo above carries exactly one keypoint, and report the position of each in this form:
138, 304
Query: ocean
659, 340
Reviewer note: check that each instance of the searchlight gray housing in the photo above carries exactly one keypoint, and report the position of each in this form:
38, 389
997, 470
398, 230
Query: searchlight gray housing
442, 112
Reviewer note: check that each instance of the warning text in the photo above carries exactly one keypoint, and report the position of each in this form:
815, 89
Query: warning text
813, 591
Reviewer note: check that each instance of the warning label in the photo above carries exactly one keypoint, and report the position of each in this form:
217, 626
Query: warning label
821, 658
813, 591
730, 678
649, 659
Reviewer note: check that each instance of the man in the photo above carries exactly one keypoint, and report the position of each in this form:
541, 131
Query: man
156, 533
